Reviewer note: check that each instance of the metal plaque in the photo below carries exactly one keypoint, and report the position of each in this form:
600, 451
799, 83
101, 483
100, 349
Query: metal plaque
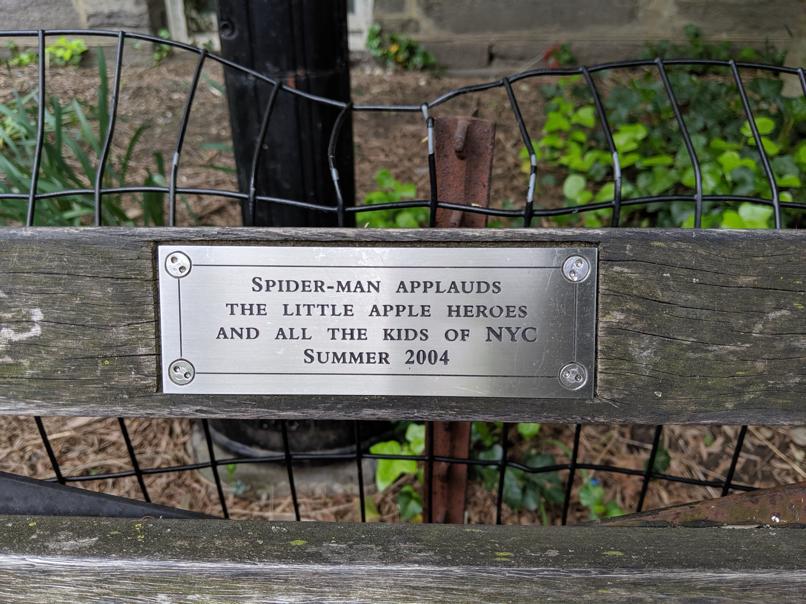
438, 321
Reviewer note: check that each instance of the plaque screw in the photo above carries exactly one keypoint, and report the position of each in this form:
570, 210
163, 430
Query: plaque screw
576, 269
181, 372
178, 264
573, 376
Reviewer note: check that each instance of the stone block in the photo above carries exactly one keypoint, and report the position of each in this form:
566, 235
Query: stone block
510, 55
460, 54
770, 18
39, 14
399, 25
384, 7
476, 16
115, 14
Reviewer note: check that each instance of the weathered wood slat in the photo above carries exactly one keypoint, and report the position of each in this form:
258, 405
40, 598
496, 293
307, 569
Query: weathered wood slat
79, 559
694, 326
783, 506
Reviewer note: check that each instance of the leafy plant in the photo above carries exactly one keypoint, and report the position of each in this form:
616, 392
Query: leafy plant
388, 471
162, 51
663, 460
18, 57
409, 504
535, 492
592, 497
652, 156
560, 55
391, 190
532, 491
65, 51
395, 50
528, 430
72, 134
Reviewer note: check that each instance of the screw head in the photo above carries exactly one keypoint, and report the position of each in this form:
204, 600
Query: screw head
181, 372
573, 376
576, 269
178, 264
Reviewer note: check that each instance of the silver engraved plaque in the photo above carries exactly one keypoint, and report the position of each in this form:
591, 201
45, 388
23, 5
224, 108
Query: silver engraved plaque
437, 321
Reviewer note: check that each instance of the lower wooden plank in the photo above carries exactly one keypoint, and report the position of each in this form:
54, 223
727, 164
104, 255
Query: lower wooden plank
782, 506
89, 560
694, 326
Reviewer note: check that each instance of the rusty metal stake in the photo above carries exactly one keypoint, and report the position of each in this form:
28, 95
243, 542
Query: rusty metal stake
464, 162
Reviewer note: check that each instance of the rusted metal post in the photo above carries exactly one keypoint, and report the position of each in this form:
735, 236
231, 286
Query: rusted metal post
464, 159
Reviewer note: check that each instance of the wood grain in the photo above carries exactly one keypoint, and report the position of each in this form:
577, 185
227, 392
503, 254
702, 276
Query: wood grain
88, 560
694, 326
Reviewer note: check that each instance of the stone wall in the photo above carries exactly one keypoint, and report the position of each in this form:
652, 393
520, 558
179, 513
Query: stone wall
132, 15
485, 34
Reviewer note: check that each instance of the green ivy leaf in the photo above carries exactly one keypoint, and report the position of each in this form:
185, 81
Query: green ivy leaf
627, 136
755, 216
573, 186
389, 470
555, 141
415, 436
656, 160
528, 429
765, 125
612, 510
591, 494
729, 160
711, 178
555, 122
409, 504
606, 193
720, 144
406, 220
663, 460
789, 180
578, 136
584, 116
732, 220
770, 146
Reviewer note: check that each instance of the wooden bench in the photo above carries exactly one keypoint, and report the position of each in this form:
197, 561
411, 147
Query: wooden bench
694, 326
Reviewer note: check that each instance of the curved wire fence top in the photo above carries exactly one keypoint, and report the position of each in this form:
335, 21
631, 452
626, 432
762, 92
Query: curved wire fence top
337, 205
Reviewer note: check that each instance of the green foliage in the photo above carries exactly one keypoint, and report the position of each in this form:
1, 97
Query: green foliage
388, 471
409, 504
535, 492
395, 50
73, 139
389, 190
18, 57
696, 47
63, 52
653, 158
663, 460
528, 430
560, 55
162, 51
592, 497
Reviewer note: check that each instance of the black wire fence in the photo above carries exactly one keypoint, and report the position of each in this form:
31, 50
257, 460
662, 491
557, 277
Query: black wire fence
338, 206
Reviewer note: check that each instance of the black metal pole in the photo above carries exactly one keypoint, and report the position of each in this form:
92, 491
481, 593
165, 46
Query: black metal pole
303, 44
